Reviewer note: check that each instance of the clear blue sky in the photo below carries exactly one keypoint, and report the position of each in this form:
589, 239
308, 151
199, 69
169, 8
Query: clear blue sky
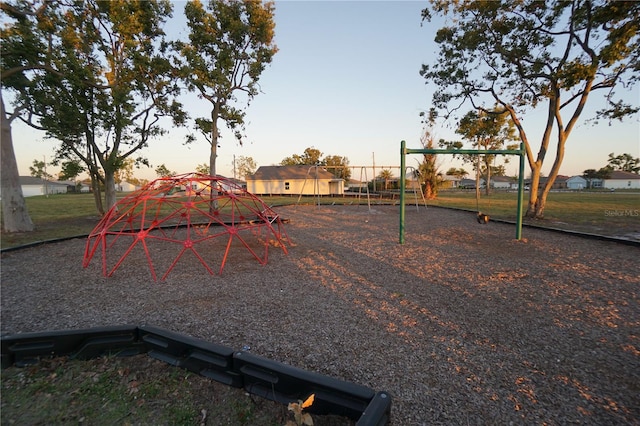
346, 81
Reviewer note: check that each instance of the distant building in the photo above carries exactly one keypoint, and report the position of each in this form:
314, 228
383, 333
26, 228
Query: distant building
576, 182
294, 180
501, 182
622, 180
33, 186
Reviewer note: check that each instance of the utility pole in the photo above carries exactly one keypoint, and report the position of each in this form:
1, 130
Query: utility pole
44, 176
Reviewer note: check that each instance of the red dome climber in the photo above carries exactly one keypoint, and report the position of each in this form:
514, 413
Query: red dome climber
194, 213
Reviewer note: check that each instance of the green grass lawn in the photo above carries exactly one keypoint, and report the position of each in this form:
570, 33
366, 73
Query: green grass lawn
602, 212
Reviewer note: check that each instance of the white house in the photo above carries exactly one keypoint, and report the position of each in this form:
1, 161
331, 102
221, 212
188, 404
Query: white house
32, 186
501, 182
622, 180
576, 182
294, 180
126, 187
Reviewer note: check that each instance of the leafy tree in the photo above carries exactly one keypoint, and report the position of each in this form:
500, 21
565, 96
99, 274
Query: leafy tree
70, 169
163, 171
245, 166
592, 174
39, 170
624, 162
428, 168
203, 169
125, 171
24, 53
335, 164
311, 157
528, 54
230, 44
487, 130
385, 175
458, 173
338, 166
111, 87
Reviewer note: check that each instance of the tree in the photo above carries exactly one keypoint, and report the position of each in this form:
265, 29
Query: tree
624, 162
428, 168
23, 53
125, 171
592, 174
39, 170
163, 171
111, 87
311, 157
202, 169
487, 130
244, 166
338, 166
529, 54
458, 173
70, 169
385, 175
230, 44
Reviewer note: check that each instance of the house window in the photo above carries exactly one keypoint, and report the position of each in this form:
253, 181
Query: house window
286, 186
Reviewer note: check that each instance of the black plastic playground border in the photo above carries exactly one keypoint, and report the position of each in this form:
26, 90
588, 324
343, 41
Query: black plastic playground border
255, 374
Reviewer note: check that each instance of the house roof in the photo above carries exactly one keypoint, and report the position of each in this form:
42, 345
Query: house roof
619, 174
290, 172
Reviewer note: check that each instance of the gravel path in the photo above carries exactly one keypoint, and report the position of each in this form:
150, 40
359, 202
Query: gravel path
462, 324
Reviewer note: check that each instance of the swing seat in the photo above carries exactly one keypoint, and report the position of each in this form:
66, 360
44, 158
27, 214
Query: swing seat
482, 218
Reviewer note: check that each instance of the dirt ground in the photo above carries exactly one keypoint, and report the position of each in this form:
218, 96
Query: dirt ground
461, 324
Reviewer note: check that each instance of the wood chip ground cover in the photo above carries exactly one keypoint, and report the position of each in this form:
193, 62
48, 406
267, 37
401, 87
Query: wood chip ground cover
462, 324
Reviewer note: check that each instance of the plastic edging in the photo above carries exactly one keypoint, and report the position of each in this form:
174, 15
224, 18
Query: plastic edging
257, 375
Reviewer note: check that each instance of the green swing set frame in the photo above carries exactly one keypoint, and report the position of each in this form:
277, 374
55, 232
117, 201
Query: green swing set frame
404, 151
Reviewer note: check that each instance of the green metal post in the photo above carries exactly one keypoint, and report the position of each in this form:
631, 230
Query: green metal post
402, 187
520, 193
521, 152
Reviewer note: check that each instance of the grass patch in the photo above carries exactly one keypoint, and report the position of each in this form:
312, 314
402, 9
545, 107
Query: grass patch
134, 390
107, 390
600, 212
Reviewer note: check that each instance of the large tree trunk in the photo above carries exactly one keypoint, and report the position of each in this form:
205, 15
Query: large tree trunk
15, 216
109, 189
487, 163
215, 133
97, 194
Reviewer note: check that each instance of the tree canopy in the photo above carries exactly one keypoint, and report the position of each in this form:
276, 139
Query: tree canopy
103, 84
335, 164
230, 44
529, 54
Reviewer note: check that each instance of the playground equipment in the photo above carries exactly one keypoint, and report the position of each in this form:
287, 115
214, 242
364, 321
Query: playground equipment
480, 217
196, 213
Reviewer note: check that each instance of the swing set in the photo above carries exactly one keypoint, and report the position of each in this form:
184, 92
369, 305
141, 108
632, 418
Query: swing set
482, 218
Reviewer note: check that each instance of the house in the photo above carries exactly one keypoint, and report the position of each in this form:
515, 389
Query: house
470, 183
622, 180
576, 182
501, 182
126, 187
355, 185
450, 181
294, 180
32, 186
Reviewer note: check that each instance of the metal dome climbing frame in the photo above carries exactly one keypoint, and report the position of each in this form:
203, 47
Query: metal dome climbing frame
190, 213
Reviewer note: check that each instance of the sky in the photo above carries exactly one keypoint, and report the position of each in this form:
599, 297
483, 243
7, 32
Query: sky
346, 81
